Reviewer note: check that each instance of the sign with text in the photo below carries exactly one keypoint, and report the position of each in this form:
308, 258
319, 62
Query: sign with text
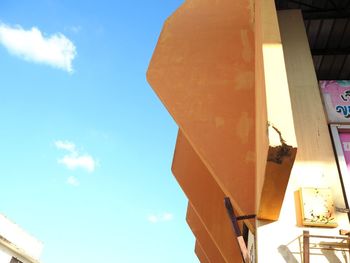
336, 97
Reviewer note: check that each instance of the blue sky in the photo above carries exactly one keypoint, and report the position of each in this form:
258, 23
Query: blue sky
86, 144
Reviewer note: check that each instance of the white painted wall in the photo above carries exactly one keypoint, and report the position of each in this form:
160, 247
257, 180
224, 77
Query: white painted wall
4, 257
18, 237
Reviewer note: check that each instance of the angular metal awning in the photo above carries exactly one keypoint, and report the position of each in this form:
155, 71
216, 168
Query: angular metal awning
327, 24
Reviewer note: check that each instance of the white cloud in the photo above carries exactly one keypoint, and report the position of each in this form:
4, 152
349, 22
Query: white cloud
153, 218
73, 181
55, 50
65, 145
160, 218
167, 217
73, 159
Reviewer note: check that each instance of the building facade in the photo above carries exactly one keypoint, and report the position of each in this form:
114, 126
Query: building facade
242, 81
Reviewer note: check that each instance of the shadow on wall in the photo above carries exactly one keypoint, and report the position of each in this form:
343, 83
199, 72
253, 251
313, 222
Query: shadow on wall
287, 254
332, 257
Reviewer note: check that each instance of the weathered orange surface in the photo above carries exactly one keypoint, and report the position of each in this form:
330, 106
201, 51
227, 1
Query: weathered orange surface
200, 253
273, 106
206, 198
206, 243
203, 71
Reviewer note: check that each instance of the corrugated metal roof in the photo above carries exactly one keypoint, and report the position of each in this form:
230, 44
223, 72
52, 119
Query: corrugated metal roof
327, 24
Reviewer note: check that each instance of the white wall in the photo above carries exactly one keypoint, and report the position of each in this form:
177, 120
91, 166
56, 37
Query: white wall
18, 237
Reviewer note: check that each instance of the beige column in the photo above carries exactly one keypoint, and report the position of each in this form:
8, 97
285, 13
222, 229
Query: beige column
276, 143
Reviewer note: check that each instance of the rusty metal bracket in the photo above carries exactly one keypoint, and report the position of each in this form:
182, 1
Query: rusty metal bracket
234, 220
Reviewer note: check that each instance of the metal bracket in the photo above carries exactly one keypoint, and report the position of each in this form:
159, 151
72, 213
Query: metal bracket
234, 220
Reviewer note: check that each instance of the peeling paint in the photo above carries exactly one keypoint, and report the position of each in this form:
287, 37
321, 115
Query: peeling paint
247, 53
250, 157
219, 122
251, 8
280, 150
244, 81
243, 127
179, 59
279, 153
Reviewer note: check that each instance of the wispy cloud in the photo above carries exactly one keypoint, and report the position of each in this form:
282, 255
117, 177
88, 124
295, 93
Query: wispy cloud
74, 29
31, 45
160, 218
72, 181
73, 158
65, 145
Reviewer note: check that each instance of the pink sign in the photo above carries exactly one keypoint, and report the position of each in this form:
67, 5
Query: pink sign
336, 97
345, 143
